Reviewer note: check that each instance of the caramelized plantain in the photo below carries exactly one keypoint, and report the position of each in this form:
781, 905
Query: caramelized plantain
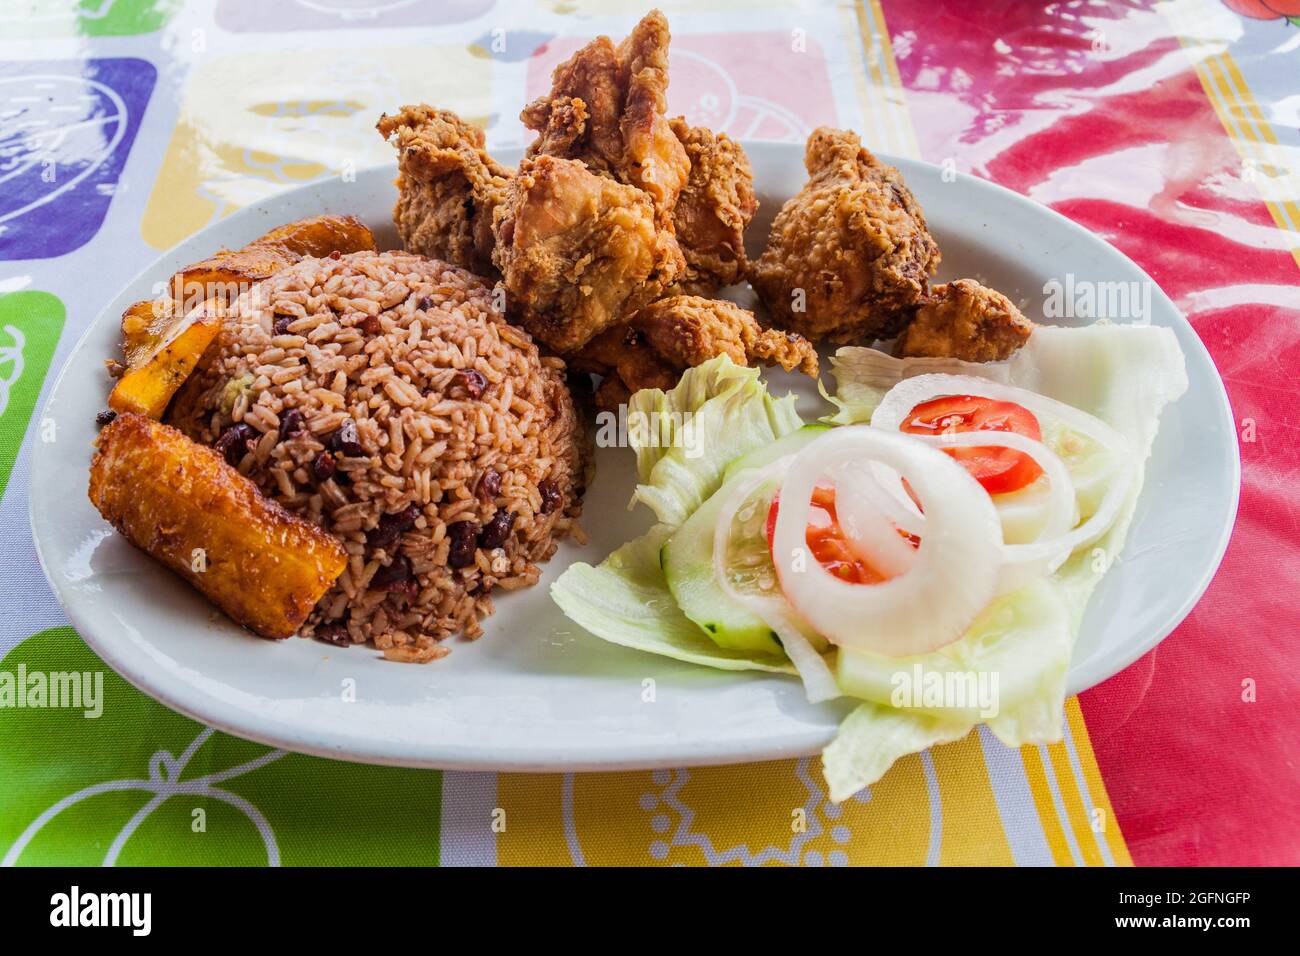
163, 338
229, 273
180, 502
149, 384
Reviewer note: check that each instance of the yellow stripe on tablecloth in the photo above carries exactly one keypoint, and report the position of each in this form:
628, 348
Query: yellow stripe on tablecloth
887, 110
972, 835
939, 808
534, 822
1262, 133
1076, 817
1096, 787
1036, 775
1250, 142
894, 88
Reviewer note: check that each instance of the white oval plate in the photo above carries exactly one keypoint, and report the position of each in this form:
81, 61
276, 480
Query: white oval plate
535, 693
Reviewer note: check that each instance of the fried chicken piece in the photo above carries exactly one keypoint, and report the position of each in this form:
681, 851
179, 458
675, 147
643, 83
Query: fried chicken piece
680, 332
448, 187
713, 210
606, 109
688, 330
578, 252
849, 256
627, 363
965, 320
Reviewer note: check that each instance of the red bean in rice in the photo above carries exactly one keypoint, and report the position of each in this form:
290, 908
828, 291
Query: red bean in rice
408, 388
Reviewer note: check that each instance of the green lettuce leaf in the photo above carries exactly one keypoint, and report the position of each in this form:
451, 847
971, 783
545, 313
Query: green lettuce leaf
626, 601
873, 736
685, 438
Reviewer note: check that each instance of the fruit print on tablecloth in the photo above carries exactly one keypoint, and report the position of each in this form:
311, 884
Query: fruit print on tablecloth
66, 129
257, 16
140, 784
747, 85
30, 323
253, 125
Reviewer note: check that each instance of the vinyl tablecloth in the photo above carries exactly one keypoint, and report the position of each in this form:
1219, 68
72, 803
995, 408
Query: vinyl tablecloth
1169, 129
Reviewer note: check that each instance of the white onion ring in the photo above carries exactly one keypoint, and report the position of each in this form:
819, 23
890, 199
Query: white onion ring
955, 571
818, 681
1023, 562
864, 510
1051, 550
1047, 550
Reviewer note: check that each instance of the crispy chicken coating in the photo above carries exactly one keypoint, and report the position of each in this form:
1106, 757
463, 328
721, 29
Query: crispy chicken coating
578, 252
448, 187
965, 320
627, 363
849, 257
688, 330
713, 210
606, 109
677, 333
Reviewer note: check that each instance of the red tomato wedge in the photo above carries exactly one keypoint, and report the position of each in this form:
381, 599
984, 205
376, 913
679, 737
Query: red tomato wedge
999, 470
827, 542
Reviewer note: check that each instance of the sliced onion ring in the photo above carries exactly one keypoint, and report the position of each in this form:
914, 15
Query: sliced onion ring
956, 568
864, 510
1046, 550
818, 681
1023, 562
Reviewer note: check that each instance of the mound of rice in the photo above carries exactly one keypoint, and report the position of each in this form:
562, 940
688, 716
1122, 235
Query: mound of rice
381, 396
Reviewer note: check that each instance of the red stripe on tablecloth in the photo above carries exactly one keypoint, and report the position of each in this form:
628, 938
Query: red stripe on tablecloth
1020, 94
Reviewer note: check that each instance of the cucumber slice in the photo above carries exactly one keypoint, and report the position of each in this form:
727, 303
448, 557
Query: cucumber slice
1018, 646
687, 558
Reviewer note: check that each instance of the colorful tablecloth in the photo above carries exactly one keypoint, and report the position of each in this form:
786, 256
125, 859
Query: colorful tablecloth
1168, 128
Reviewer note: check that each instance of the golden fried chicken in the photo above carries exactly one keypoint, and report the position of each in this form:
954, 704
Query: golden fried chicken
849, 256
606, 109
965, 320
715, 206
448, 187
688, 330
677, 333
578, 252
627, 363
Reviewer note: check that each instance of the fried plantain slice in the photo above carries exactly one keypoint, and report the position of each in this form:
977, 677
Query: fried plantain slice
229, 273
182, 504
147, 386
163, 339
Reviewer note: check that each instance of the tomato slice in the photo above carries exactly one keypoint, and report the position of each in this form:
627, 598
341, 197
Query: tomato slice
999, 470
827, 542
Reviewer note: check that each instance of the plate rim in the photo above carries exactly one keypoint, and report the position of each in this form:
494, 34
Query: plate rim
602, 756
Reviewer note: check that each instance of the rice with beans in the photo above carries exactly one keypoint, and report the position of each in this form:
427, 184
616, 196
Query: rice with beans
381, 396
